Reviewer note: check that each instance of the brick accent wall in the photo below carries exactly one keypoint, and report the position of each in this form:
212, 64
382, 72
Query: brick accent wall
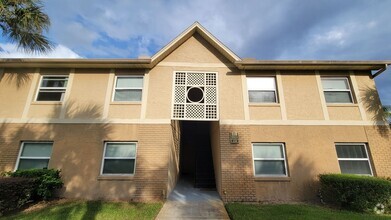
78, 151
379, 141
236, 165
310, 151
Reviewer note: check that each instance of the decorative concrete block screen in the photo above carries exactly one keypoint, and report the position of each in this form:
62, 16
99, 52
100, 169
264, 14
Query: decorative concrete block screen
195, 96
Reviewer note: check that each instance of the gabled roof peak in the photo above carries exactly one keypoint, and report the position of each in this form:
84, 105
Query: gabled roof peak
186, 34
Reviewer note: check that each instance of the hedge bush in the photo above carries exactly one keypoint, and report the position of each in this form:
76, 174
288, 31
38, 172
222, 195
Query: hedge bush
15, 192
48, 180
354, 192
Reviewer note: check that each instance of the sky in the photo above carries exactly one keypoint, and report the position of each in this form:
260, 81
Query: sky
261, 29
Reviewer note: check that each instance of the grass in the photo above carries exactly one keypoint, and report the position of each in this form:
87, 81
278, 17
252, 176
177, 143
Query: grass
287, 212
92, 210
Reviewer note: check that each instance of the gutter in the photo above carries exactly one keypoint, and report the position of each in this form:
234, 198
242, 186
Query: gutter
380, 71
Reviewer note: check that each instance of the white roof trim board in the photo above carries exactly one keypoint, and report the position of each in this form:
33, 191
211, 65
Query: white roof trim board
195, 27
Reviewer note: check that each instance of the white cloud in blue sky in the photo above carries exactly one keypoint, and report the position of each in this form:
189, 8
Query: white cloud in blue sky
267, 29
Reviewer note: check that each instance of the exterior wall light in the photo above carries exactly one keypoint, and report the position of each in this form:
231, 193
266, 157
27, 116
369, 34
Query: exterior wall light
233, 138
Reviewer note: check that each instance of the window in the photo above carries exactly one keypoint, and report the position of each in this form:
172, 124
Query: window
269, 159
52, 88
34, 155
337, 90
128, 88
119, 158
262, 89
353, 159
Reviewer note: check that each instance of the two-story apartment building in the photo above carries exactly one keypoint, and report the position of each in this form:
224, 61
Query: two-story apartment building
129, 128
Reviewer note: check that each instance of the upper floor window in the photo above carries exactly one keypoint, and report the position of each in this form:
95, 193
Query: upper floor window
337, 90
52, 88
34, 155
269, 159
353, 159
119, 158
262, 89
128, 88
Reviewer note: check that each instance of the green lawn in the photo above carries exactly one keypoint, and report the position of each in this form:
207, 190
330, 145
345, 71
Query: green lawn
286, 212
93, 210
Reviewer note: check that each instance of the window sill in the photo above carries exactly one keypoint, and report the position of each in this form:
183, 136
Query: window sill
272, 179
115, 177
264, 104
342, 105
47, 103
126, 103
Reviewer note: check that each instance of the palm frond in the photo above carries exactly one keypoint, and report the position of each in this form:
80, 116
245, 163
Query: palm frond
24, 22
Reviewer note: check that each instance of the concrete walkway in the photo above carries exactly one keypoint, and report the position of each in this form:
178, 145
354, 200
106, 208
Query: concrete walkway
186, 202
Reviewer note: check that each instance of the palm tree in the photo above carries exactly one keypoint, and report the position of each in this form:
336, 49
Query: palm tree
24, 22
387, 112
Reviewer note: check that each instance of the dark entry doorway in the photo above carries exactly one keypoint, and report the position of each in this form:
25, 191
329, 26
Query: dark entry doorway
196, 160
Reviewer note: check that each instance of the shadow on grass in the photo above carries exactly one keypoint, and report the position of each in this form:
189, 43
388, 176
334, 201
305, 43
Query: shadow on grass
93, 208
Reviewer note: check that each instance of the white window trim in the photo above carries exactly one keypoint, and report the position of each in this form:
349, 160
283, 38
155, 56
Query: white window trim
51, 88
338, 90
37, 158
123, 158
127, 88
276, 159
355, 159
263, 90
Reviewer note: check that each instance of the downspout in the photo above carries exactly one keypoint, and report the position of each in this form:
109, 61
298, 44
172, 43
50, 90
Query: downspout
380, 71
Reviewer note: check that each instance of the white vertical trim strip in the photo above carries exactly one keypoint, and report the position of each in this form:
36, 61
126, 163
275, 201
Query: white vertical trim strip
245, 96
281, 96
33, 86
356, 92
109, 90
67, 94
144, 95
321, 96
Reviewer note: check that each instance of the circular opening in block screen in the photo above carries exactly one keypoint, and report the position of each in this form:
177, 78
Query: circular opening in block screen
195, 94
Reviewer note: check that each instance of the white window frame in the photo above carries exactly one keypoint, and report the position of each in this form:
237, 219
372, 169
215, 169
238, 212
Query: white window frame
31, 158
338, 90
121, 158
263, 90
268, 159
127, 88
355, 159
51, 88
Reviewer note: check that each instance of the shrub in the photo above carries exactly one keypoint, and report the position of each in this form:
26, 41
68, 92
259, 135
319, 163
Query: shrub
15, 192
353, 192
48, 180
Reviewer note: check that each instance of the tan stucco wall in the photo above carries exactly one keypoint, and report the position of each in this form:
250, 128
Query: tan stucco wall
196, 50
310, 151
161, 79
125, 111
91, 90
78, 151
87, 94
262, 112
14, 89
301, 95
344, 112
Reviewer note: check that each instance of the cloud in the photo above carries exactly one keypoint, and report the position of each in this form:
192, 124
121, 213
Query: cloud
11, 51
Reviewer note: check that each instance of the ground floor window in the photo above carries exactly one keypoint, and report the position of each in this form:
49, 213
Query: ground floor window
119, 158
269, 159
34, 155
353, 158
